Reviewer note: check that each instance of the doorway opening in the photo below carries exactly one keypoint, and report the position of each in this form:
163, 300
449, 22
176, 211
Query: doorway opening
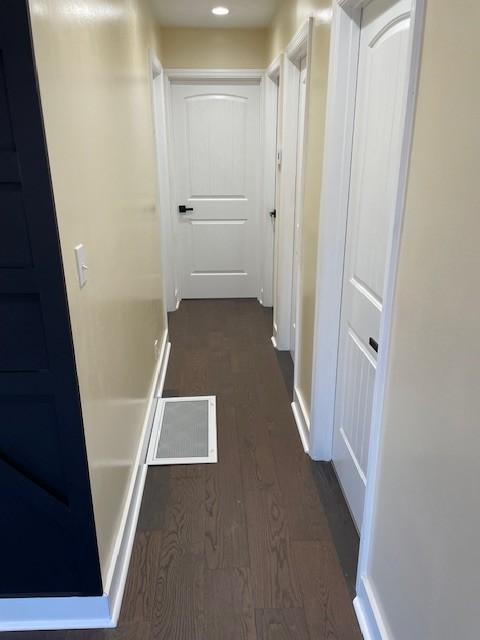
219, 235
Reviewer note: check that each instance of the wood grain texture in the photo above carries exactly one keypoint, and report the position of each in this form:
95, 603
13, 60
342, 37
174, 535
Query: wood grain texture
228, 605
178, 604
274, 579
325, 595
243, 549
281, 624
141, 582
155, 499
340, 523
226, 540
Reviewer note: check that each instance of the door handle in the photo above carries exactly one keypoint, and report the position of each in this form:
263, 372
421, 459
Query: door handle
273, 214
183, 209
374, 344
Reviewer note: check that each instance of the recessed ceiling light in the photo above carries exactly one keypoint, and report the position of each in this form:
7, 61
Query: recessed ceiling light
220, 11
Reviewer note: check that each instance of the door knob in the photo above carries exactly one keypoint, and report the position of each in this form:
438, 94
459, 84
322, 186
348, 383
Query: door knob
183, 209
374, 344
273, 214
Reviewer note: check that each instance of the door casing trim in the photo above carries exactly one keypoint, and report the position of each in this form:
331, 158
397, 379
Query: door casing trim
300, 46
342, 79
224, 76
164, 181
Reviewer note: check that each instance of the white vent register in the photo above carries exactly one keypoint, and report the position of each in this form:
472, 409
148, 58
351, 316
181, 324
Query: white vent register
184, 431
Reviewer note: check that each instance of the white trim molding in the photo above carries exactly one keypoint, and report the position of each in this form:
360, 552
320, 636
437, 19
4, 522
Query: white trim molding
164, 183
95, 612
270, 86
210, 75
368, 613
299, 47
352, 4
117, 576
342, 86
36, 614
273, 69
302, 420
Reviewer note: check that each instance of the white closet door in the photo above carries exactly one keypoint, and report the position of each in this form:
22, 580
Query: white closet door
378, 132
217, 169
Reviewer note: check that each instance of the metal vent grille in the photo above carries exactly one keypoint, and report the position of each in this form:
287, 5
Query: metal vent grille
184, 431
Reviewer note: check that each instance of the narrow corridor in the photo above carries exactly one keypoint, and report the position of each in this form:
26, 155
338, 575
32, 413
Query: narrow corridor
242, 549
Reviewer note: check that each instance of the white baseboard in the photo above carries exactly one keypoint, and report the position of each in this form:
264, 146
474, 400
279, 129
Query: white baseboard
301, 418
35, 614
115, 583
368, 613
95, 612
162, 372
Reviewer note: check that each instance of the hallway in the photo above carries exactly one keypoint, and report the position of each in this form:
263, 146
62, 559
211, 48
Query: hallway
274, 204
241, 549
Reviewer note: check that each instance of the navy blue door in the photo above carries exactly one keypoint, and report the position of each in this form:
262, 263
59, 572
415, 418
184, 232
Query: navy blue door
47, 533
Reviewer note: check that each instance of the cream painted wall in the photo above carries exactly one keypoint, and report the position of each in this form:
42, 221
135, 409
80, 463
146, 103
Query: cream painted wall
288, 20
94, 83
425, 553
214, 48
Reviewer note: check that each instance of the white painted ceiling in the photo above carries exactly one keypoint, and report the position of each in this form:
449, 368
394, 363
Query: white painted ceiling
197, 13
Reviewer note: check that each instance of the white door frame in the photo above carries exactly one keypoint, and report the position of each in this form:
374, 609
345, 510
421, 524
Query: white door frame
229, 76
342, 80
271, 90
164, 204
299, 47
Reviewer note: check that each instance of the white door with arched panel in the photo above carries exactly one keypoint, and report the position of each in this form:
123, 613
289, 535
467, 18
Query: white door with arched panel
377, 143
216, 148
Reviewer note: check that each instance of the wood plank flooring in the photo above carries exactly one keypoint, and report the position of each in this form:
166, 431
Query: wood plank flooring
240, 550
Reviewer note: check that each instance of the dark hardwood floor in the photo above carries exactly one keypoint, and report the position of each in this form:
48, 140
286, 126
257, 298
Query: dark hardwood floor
243, 549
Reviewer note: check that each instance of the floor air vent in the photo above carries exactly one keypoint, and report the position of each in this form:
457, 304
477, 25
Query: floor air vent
184, 431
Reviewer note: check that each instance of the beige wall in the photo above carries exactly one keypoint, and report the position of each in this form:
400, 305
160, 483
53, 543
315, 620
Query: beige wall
214, 48
94, 82
289, 19
425, 553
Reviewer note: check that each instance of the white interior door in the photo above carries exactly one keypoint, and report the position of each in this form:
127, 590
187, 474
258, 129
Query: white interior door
302, 96
378, 132
217, 168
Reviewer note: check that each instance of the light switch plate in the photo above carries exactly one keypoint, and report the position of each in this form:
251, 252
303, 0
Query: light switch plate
82, 268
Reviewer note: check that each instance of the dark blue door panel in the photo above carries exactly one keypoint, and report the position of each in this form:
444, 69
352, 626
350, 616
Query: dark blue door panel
47, 533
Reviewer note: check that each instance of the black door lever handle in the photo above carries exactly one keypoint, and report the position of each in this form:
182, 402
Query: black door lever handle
183, 209
374, 344
273, 214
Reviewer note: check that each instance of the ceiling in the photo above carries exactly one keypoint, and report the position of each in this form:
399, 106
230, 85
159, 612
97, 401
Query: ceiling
197, 13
